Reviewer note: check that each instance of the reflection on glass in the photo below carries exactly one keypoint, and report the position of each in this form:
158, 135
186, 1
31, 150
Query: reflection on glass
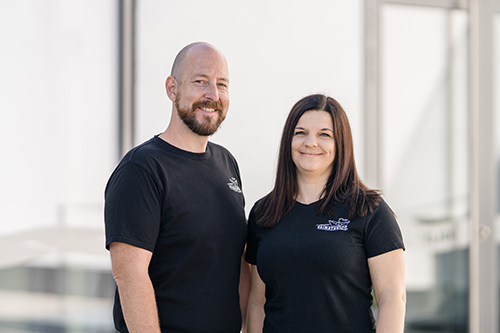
54, 298
425, 146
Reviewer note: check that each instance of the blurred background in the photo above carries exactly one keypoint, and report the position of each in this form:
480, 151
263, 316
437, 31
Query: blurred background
81, 82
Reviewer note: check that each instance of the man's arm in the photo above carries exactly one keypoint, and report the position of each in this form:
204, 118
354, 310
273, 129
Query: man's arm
137, 297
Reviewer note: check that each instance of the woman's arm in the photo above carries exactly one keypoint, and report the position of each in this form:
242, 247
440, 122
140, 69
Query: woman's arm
388, 278
255, 315
244, 289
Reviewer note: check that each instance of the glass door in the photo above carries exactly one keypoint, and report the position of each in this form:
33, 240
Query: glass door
424, 133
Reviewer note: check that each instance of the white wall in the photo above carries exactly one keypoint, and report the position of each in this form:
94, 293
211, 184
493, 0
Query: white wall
57, 110
278, 52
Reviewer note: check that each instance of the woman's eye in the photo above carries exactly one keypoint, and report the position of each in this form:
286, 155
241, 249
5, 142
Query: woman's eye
326, 135
298, 133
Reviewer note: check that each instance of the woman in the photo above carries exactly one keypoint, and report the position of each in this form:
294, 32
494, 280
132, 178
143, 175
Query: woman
320, 240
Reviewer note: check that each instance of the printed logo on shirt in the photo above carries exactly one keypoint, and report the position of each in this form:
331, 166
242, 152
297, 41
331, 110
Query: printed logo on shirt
233, 185
340, 225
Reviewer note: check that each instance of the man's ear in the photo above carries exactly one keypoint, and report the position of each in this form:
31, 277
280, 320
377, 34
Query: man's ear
171, 86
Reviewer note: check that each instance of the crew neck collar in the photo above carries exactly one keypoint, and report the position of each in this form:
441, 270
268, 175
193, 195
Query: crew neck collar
175, 150
301, 205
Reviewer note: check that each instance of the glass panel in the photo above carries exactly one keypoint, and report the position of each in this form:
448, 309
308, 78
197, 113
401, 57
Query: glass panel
425, 158
278, 52
59, 145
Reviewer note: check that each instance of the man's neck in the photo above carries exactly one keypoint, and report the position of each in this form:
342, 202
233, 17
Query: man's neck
183, 138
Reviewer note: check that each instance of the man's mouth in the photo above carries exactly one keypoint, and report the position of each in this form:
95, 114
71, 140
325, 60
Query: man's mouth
210, 110
208, 106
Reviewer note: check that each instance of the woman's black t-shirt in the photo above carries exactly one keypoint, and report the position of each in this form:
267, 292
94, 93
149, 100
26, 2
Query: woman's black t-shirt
315, 267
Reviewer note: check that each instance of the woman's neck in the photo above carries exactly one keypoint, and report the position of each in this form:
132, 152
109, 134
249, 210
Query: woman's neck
310, 189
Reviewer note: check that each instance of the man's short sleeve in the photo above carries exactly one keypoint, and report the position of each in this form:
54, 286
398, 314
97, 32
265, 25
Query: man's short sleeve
132, 210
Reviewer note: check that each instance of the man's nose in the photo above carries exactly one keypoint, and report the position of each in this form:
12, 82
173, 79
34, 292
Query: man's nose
212, 92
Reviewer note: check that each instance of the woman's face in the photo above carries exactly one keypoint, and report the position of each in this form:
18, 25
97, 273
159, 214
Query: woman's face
313, 146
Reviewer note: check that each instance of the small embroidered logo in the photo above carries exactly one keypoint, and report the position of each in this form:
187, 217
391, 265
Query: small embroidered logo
341, 225
233, 185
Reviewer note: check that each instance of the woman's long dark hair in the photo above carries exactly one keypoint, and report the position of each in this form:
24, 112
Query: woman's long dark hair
343, 185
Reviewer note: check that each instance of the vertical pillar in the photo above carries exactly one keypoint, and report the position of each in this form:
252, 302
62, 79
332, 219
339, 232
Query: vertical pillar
483, 249
126, 74
372, 124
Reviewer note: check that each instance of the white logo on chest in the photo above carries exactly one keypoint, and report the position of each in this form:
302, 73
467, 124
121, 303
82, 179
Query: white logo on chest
233, 185
340, 225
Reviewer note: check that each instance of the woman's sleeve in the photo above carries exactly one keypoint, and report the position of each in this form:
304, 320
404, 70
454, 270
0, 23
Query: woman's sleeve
252, 241
382, 233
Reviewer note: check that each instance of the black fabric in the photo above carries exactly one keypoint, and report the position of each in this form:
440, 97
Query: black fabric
315, 267
188, 210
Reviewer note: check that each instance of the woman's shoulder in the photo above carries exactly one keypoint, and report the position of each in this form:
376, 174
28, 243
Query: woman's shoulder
382, 208
257, 207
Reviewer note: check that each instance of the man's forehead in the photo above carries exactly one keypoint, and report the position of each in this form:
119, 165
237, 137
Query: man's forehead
197, 74
212, 66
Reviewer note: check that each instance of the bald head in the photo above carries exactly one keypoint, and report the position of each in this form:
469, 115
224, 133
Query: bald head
198, 87
180, 60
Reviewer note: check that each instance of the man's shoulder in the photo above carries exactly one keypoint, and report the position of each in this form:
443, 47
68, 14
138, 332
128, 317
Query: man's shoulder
217, 149
217, 146
144, 156
143, 152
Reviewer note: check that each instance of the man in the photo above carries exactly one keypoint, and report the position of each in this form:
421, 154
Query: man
174, 213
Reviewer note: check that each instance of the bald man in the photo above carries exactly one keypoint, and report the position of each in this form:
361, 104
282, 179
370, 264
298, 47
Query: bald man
174, 214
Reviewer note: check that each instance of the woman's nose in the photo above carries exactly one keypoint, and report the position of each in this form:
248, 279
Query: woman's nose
311, 141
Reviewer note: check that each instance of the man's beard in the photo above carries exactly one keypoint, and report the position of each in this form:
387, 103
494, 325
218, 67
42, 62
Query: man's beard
204, 127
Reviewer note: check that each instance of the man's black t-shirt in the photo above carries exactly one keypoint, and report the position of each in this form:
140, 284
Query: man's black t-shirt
315, 267
188, 210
